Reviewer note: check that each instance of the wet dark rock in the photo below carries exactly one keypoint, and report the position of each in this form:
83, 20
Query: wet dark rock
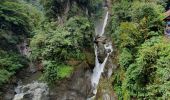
108, 51
9, 95
25, 89
101, 52
108, 71
27, 96
100, 41
8, 92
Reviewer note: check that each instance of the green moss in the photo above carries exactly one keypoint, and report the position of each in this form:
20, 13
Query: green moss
64, 71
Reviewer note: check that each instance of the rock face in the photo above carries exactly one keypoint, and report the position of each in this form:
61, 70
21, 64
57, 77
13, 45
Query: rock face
25, 50
8, 95
100, 41
33, 91
77, 87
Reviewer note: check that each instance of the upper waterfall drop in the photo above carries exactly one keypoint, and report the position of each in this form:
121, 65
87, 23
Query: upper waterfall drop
101, 24
104, 24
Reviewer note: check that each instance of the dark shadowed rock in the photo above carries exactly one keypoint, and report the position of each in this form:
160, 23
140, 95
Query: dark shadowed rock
100, 41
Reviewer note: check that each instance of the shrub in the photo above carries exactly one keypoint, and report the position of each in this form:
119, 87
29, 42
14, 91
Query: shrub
10, 63
54, 71
127, 35
125, 59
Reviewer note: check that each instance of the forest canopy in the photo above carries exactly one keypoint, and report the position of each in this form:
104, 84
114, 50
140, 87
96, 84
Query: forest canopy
138, 32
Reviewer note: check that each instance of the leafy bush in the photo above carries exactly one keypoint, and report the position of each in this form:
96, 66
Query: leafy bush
10, 63
18, 20
125, 58
51, 71
128, 31
58, 44
121, 11
54, 71
148, 15
81, 30
53, 42
4, 76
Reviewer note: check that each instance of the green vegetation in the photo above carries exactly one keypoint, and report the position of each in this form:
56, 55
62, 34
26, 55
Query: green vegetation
148, 76
10, 62
65, 71
60, 31
55, 8
143, 51
55, 71
16, 23
52, 42
57, 44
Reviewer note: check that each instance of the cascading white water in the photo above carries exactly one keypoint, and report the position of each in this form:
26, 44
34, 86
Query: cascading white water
32, 91
101, 24
97, 71
104, 24
99, 67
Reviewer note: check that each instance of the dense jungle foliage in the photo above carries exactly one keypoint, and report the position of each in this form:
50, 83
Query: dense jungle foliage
16, 23
138, 32
62, 30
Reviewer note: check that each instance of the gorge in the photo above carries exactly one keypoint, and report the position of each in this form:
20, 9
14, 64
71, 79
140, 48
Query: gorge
84, 50
106, 50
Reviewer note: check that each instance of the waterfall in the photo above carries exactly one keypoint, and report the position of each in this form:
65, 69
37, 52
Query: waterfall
99, 67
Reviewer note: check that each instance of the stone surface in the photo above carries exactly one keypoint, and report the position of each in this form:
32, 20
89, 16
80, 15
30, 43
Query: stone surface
100, 41
32, 91
77, 87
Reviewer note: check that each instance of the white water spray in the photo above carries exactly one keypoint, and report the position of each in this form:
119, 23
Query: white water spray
99, 67
101, 24
32, 91
104, 24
